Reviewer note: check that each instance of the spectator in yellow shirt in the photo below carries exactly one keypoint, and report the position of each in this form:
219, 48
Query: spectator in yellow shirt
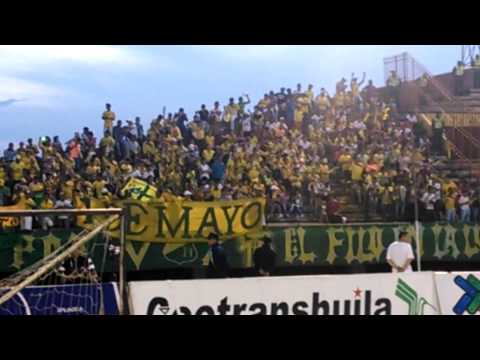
17, 170
357, 171
108, 117
451, 206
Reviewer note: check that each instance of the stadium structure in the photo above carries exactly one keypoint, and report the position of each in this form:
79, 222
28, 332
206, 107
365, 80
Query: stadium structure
108, 266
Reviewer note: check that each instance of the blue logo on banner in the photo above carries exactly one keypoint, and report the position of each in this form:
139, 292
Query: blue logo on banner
470, 300
81, 299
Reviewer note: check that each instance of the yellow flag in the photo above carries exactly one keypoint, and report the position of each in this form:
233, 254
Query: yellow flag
140, 190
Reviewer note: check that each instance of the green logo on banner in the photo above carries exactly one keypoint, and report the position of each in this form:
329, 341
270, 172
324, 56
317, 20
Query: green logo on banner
416, 306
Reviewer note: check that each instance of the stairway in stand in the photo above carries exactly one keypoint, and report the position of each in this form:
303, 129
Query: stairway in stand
460, 171
348, 208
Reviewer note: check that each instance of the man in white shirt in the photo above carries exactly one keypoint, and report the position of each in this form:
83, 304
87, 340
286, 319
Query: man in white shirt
428, 200
400, 254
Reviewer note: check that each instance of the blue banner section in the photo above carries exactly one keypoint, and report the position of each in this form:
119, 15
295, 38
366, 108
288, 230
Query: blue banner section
75, 299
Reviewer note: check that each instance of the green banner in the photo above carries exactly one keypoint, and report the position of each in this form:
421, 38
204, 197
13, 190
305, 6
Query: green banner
295, 246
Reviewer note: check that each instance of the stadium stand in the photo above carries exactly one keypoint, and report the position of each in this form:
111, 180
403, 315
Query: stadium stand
350, 156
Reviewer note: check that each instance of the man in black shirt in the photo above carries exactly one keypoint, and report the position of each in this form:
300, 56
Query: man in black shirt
203, 113
218, 267
264, 258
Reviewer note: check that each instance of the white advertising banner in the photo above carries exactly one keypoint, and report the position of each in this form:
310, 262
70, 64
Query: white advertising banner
459, 293
367, 294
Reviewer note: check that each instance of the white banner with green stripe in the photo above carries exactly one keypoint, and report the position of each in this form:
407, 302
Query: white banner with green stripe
366, 294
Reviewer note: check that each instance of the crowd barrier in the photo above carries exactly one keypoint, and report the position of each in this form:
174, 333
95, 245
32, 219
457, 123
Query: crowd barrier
420, 293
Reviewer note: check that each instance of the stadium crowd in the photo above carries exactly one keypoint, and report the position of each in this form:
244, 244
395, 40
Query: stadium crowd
300, 149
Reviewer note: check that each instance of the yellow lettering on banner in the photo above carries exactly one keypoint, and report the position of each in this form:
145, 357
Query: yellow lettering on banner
246, 246
438, 253
376, 248
295, 246
137, 258
289, 255
179, 220
471, 250
19, 249
362, 255
50, 244
450, 245
333, 243
349, 257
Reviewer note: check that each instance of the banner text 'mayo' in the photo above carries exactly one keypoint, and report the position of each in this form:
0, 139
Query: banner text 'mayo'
181, 221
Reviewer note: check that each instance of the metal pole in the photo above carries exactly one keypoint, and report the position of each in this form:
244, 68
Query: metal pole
417, 242
417, 222
121, 270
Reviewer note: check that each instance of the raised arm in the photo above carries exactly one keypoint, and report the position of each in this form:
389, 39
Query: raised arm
363, 80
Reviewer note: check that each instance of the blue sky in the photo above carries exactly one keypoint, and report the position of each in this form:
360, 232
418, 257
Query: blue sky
63, 88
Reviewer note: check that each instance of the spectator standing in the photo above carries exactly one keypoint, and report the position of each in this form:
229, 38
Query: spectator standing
108, 117
46, 221
10, 154
290, 110
203, 114
423, 82
464, 204
218, 170
215, 119
264, 258
438, 205
428, 199
393, 87
355, 88
139, 134
117, 131
63, 203
401, 201
370, 92
400, 254
333, 209
476, 207
57, 145
451, 206
217, 260
438, 129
